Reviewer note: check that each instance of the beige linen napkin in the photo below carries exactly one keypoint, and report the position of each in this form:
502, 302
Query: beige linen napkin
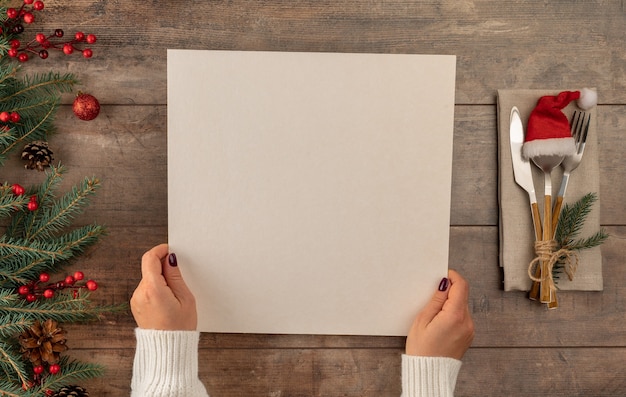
516, 228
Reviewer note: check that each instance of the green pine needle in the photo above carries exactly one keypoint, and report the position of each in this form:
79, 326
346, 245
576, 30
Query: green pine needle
43, 240
571, 222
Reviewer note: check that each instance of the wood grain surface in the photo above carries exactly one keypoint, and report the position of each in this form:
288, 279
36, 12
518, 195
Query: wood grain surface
520, 348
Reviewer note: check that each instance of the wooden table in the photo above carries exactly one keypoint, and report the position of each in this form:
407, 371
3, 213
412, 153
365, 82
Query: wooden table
520, 348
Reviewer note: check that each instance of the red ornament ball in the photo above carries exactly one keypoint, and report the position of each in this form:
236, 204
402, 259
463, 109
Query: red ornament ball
86, 107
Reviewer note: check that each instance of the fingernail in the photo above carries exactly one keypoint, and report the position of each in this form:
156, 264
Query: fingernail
172, 260
443, 285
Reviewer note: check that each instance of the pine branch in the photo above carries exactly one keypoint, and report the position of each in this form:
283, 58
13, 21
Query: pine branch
51, 220
72, 372
10, 325
8, 389
10, 203
590, 242
63, 308
33, 257
573, 218
41, 85
30, 131
11, 364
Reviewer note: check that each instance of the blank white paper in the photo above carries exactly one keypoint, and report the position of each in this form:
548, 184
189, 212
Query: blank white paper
309, 193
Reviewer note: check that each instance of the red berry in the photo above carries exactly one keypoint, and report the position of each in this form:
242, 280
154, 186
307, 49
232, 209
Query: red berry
12, 52
44, 277
15, 116
40, 37
38, 5
43, 54
54, 369
31, 297
91, 285
4, 117
79, 36
28, 1
38, 369
79, 276
32, 206
91, 38
58, 32
23, 57
23, 290
48, 293
68, 49
28, 17
87, 53
12, 13
15, 43
69, 280
17, 189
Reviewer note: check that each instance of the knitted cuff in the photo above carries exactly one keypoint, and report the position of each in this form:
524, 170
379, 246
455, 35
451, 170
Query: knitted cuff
166, 364
429, 376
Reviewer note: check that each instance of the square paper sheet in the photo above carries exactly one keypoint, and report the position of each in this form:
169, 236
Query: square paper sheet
310, 192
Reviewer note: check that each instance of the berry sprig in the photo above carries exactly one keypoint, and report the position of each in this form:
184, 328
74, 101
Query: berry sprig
19, 190
42, 288
39, 375
42, 43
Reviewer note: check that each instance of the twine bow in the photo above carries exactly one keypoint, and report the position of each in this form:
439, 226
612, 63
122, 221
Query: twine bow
547, 257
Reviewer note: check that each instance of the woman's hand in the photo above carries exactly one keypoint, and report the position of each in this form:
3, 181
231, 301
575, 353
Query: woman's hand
162, 300
444, 328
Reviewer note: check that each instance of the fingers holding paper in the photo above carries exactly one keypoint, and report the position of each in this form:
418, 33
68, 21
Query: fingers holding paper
444, 328
162, 300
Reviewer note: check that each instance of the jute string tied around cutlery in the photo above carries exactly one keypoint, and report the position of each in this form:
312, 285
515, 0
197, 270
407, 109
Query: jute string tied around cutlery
546, 253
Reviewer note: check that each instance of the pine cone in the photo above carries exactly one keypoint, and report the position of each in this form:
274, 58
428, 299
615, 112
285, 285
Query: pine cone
43, 343
38, 155
71, 391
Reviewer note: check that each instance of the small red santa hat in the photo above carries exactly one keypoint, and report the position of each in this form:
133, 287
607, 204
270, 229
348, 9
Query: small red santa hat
548, 132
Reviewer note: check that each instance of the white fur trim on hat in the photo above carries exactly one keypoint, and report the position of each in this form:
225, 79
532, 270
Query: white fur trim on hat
549, 147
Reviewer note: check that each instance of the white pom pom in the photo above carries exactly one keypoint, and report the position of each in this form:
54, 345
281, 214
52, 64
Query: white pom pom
588, 99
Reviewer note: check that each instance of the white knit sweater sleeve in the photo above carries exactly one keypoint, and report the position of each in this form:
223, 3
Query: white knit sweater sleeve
166, 364
429, 376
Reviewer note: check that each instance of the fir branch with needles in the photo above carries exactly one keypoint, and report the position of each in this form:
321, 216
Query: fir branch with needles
570, 225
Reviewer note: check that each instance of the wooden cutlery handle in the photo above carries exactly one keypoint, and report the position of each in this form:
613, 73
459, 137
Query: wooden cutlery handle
545, 291
533, 294
556, 214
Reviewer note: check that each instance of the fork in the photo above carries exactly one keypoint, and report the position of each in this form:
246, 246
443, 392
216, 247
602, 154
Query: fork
580, 127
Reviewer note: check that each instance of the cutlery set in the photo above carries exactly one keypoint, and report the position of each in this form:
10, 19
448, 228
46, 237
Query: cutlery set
551, 141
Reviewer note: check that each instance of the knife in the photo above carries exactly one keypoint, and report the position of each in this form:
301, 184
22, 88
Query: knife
524, 178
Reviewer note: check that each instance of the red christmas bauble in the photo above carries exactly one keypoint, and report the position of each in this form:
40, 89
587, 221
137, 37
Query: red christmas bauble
86, 106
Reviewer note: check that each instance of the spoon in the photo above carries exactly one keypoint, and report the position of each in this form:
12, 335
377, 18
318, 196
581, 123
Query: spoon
547, 163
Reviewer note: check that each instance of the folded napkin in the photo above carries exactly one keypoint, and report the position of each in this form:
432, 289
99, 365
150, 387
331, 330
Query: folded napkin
516, 227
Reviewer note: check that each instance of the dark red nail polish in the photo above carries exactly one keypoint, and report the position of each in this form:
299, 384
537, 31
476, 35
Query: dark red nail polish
172, 260
443, 285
